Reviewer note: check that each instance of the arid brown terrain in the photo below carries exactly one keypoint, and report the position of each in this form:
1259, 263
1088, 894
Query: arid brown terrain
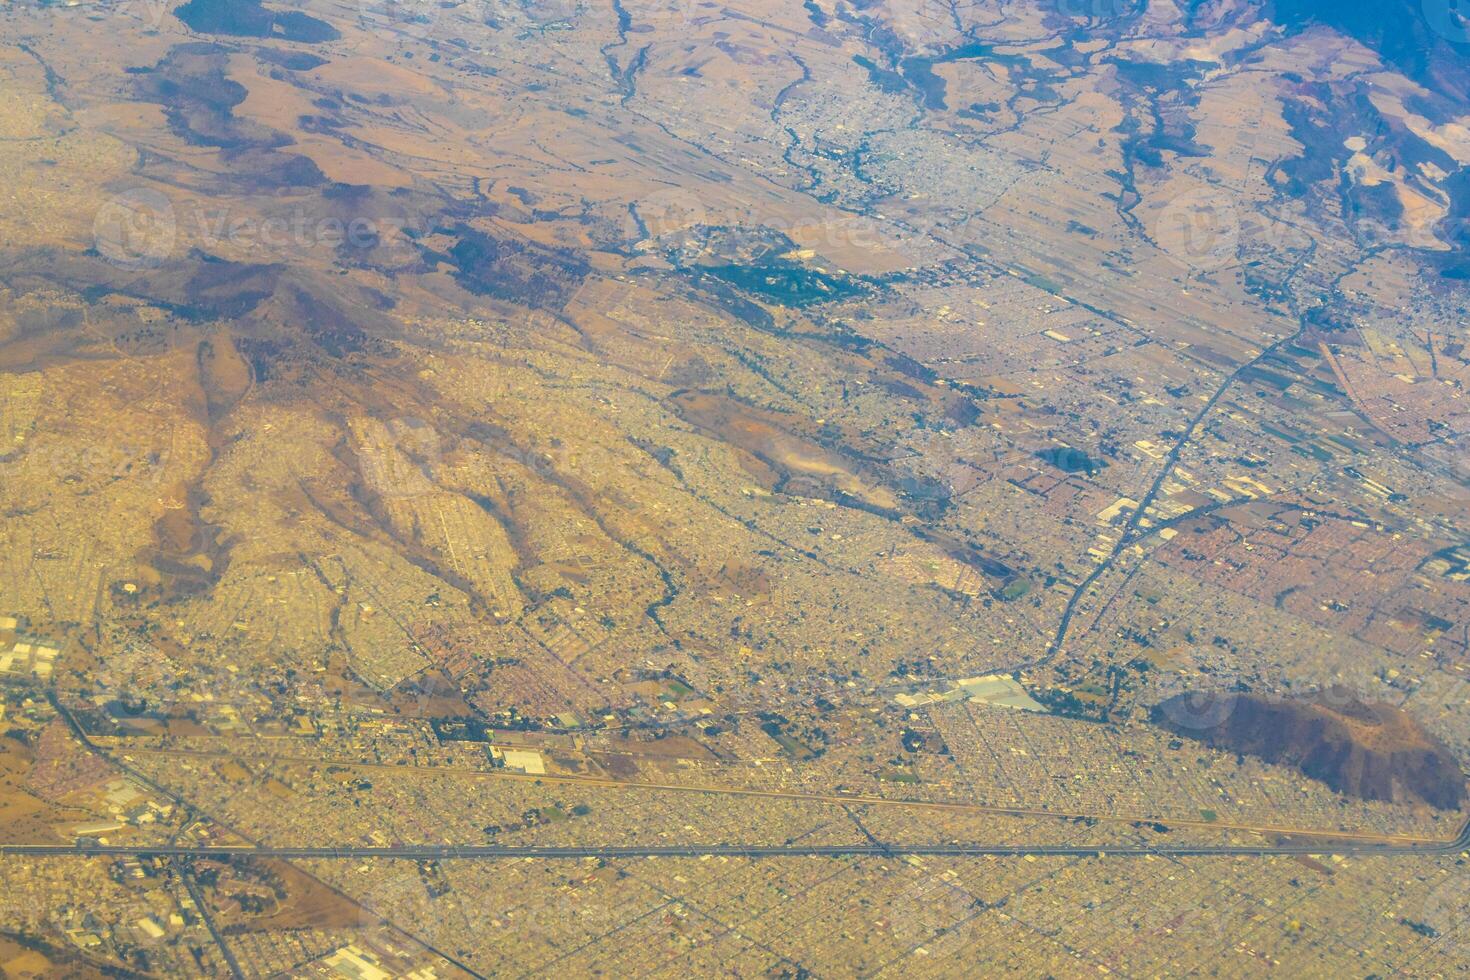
595, 487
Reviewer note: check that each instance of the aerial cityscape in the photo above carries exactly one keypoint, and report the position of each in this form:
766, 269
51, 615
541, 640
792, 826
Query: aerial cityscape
682, 488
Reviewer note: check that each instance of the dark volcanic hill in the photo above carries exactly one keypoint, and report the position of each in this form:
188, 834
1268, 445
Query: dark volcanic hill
1370, 751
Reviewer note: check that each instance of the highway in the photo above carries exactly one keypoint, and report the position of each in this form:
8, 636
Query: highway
1132, 529
1289, 841
798, 796
482, 852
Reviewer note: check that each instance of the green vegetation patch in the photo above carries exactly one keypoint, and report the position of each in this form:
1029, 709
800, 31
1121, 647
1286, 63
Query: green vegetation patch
1015, 589
787, 284
1070, 460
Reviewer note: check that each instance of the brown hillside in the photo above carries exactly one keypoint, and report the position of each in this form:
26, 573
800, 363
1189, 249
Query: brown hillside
1372, 751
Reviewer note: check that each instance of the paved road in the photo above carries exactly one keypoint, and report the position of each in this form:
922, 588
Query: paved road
1132, 528
836, 799
431, 852
1290, 842
197, 894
